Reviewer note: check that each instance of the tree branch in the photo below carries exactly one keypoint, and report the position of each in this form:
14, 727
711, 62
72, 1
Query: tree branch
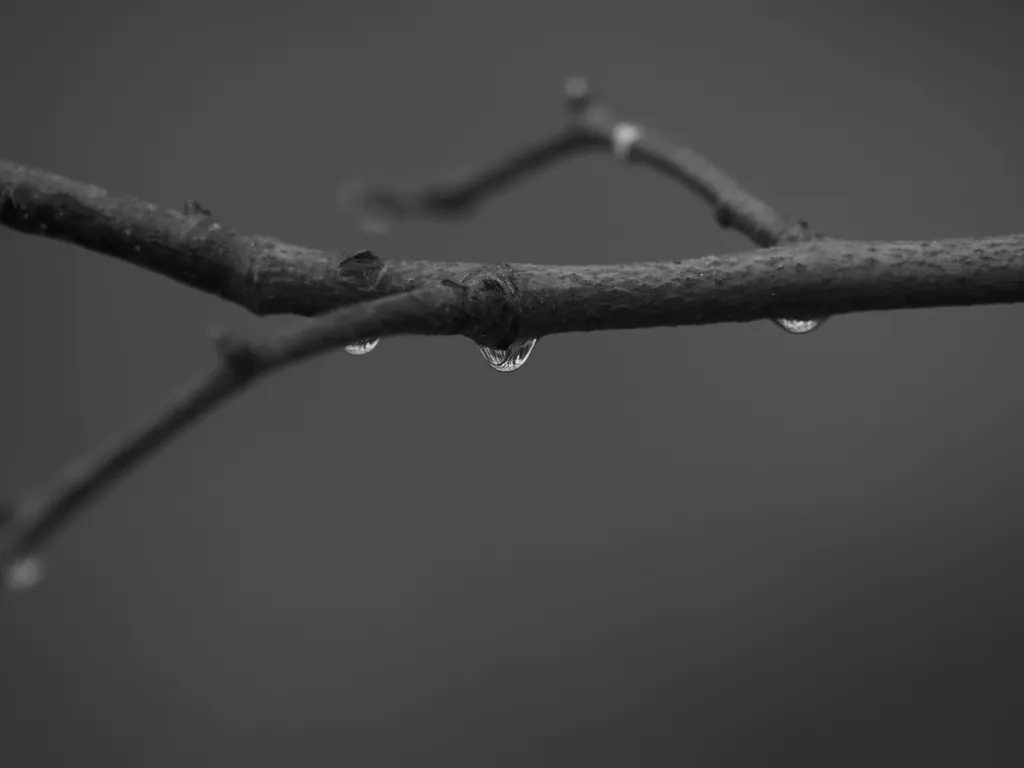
816, 277
804, 275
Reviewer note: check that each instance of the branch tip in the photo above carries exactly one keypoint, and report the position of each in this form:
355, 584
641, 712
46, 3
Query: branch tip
578, 94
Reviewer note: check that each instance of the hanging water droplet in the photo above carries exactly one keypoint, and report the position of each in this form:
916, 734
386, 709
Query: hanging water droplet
509, 359
798, 326
22, 574
362, 346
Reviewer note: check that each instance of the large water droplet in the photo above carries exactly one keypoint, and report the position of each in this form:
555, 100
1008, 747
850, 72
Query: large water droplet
509, 359
362, 346
22, 574
798, 326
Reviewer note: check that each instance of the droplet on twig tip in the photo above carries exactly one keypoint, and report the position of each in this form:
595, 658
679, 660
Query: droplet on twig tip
23, 574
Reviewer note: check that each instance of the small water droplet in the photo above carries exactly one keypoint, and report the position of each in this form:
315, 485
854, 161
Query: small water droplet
24, 573
510, 359
798, 326
362, 346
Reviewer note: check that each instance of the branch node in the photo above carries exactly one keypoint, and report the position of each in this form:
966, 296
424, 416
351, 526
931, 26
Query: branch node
363, 268
493, 306
236, 353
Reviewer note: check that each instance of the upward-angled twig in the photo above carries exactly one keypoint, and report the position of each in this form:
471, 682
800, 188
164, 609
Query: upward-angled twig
593, 125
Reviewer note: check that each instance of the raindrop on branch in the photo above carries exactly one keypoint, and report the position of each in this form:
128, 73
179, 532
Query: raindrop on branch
362, 346
22, 574
510, 359
799, 326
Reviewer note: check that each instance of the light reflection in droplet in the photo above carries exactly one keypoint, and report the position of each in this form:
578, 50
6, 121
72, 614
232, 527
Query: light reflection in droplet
798, 326
510, 359
362, 346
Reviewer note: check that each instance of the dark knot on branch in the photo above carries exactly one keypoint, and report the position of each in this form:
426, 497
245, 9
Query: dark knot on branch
493, 305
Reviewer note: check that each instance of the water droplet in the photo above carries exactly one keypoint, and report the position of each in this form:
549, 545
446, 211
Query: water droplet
362, 346
509, 359
799, 326
24, 573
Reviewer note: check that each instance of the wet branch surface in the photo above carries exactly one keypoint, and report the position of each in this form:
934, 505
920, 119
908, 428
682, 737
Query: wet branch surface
795, 273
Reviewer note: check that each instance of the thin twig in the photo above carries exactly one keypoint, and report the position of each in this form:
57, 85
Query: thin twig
593, 125
38, 515
456, 193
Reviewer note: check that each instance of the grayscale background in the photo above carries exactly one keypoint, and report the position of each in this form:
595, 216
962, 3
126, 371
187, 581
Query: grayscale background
706, 546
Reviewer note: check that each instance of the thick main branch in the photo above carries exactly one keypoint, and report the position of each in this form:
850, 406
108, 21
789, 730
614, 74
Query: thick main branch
812, 278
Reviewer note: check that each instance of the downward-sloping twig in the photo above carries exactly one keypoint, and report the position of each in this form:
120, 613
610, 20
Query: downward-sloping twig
448, 308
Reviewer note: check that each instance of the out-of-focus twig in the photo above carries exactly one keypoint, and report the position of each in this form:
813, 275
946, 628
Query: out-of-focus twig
593, 125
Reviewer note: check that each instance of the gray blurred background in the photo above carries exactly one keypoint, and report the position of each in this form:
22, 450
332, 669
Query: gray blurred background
699, 546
